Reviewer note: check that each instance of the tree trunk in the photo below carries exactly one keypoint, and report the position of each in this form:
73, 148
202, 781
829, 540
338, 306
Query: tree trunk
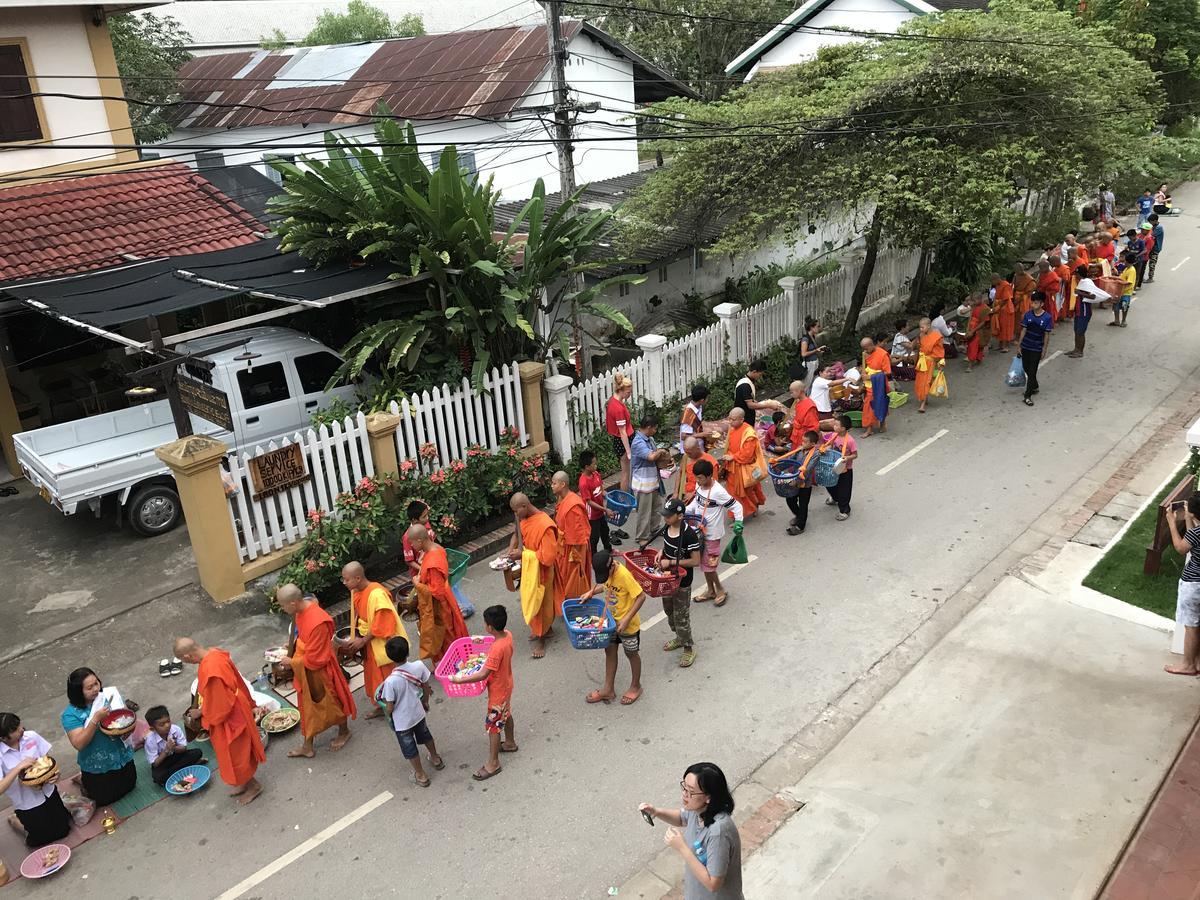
918, 280
859, 296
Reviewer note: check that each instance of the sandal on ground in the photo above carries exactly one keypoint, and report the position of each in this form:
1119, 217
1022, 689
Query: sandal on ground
412, 776
794, 530
673, 644
1028, 401
704, 598
513, 748
176, 666
842, 517
721, 598
164, 668
483, 774
629, 697
829, 501
439, 765
689, 657
597, 697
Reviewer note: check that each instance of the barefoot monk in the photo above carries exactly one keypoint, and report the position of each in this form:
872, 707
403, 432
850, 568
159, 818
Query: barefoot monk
573, 575
535, 544
441, 621
375, 621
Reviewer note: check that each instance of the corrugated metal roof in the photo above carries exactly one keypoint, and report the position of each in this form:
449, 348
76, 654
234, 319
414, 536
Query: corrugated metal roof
78, 224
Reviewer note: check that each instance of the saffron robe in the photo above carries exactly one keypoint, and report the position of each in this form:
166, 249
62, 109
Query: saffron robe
1023, 287
573, 575
441, 622
539, 557
1066, 297
745, 467
689, 484
804, 418
978, 329
1003, 315
227, 714
932, 353
876, 361
1050, 284
375, 615
322, 694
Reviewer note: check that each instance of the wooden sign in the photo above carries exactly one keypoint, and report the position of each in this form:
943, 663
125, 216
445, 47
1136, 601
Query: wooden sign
205, 401
278, 470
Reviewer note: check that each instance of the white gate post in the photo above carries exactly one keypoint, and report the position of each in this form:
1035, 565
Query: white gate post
652, 346
725, 312
560, 420
791, 306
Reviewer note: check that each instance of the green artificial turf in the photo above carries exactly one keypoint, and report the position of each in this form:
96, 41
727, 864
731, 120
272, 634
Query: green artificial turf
1119, 572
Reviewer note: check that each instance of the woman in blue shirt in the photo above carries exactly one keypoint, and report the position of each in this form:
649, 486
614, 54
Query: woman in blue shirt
105, 763
1036, 326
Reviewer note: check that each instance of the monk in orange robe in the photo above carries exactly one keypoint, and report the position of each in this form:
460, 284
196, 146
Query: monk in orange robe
1050, 283
875, 361
538, 553
441, 622
227, 714
1066, 292
374, 621
1003, 315
573, 568
693, 452
745, 464
322, 694
1023, 288
931, 357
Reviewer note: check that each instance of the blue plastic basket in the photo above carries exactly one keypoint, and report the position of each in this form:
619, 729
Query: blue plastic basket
787, 475
825, 474
201, 773
620, 504
587, 638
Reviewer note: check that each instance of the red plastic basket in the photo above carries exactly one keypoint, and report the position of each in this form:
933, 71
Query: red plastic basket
654, 585
460, 650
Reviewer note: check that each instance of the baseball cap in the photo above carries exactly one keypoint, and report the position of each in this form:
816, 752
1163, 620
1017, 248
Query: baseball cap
673, 507
1146, 226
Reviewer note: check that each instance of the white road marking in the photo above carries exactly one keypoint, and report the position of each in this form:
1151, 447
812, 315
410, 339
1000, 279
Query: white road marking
725, 573
1053, 356
311, 844
1180, 263
911, 453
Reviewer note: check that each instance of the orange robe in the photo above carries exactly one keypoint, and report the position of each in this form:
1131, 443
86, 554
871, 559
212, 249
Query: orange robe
743, 457
1023, 287
877, 361
441, 622
376, 616
1066, 296
539, 535
573, 575
1004, 319
227, 714
322, 694
689, 483
978, 328
932, 354
804, 418
1050, 284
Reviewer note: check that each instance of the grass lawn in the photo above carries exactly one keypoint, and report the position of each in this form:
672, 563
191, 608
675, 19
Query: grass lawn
1119, 573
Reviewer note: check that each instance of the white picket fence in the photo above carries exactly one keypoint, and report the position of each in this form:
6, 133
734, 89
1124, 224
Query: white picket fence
691, 357
455, 418
337, 456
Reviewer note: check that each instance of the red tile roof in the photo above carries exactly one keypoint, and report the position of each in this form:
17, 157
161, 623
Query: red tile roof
76, 224
438, 76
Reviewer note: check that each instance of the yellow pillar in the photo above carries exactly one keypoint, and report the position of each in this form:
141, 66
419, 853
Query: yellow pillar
381, 435
196, 464
10, 423
532, 374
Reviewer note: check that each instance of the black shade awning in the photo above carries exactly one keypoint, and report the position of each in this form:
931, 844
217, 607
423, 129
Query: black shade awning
155, 287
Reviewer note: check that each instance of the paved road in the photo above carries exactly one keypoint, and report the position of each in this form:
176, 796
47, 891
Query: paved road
805, 619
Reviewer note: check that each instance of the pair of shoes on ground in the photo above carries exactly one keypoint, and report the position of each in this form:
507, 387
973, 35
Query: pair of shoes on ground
169, 667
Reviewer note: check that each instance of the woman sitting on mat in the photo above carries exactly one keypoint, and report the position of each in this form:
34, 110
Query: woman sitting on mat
39, 810
105, 763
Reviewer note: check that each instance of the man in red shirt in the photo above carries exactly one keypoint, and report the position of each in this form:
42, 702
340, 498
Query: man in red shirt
498, 666
591, 489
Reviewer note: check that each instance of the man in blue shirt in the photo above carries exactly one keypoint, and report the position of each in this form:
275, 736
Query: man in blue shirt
1145, 205
1157, 230
1036, 325
645, 458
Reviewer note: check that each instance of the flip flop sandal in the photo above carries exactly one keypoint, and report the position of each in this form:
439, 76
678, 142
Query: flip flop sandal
164, 668
176, 666
484, 774
672, 644
628, 700
412, 776
504, 749
8, 491
597, 697
689, 657
439, 765
704, 598
721, 599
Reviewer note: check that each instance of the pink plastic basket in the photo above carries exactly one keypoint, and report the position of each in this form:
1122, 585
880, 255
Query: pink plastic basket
460, 650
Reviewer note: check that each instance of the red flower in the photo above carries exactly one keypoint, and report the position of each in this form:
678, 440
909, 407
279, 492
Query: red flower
512, 451
407, 466
310, 565
315, 516
428, 451
438, 477
458, 465
356, 531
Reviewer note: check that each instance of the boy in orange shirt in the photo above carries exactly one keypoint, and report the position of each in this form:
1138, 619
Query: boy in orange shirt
499, 714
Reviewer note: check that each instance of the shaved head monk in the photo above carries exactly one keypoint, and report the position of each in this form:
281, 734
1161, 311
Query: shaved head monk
374, 621
573, 571
876, 372
322, 693
693, 451
745, 465
441, 621
227, 714
535, 544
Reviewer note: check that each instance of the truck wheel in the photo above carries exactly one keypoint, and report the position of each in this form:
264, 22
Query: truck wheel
154, 510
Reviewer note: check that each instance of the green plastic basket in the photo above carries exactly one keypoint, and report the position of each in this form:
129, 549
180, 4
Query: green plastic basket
855, 417
458, 564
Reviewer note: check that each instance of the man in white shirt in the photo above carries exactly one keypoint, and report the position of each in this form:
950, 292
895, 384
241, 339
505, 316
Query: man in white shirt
902, 351
711, 503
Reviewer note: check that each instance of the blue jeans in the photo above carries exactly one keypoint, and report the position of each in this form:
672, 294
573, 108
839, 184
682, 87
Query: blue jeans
410, 737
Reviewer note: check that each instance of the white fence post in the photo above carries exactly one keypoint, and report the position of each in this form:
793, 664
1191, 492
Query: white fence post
560, 419
725, 312
651, 346
791, 304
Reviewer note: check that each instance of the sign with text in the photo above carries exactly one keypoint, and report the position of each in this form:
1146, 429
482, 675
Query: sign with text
205, 401
278, 470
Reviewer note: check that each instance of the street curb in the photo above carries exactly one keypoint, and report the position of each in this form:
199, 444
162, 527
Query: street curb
1041, 542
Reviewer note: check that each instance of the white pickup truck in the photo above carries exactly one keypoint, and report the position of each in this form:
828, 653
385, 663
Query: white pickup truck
272, 395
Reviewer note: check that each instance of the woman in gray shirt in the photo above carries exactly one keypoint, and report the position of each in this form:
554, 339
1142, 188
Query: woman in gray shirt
709, 843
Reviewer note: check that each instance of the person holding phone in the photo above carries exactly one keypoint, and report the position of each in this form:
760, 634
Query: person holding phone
709, 843
1186, 540
810, 352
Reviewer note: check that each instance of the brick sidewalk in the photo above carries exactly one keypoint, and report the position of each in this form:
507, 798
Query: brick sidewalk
1162, 862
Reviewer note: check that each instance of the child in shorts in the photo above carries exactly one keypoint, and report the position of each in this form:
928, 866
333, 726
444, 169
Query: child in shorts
497, 667
624, 597
405, 695
711, 504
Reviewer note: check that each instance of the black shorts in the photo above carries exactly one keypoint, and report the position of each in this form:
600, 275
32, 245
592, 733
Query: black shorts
631, 642
618, 446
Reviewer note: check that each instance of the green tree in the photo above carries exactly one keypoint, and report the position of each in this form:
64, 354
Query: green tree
694, 50
483, 295
360, 22
149, 50
914, 139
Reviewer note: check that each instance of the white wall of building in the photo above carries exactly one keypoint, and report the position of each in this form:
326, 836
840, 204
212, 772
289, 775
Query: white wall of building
860, 15
57, 43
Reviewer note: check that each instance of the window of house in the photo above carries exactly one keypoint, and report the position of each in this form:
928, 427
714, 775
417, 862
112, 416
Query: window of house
210, 159
262, 385
315, 370
623, 290
19, 119
662, 274
466, 161
699, 259
281, 157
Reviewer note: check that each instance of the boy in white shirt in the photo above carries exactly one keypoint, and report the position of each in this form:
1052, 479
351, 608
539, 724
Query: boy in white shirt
405, 695
711, 503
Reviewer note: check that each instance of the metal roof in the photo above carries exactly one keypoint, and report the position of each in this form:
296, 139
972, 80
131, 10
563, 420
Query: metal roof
485, 73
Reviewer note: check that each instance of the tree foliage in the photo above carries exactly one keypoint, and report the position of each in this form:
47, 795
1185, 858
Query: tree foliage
360, 22
695, 50
920, 136
487, 297
149, 51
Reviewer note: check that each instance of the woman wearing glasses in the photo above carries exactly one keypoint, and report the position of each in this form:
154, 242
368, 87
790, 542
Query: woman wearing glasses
709, 843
